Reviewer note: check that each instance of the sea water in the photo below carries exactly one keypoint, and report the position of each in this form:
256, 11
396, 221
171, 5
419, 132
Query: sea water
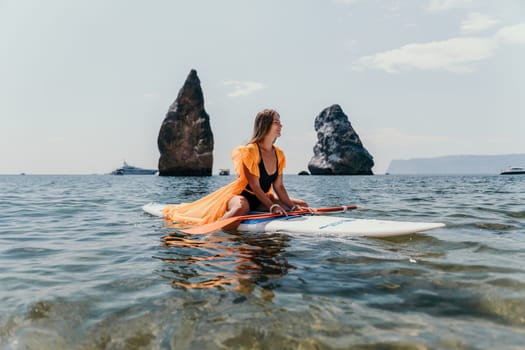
82, 267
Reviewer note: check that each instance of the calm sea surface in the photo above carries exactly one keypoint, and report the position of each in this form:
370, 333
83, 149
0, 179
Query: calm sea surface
82, 267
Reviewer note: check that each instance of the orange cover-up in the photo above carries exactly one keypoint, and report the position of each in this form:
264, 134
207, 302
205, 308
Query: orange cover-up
213, 206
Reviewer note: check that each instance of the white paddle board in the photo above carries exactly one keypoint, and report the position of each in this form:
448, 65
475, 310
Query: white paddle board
155, 209
336, 225
323, 224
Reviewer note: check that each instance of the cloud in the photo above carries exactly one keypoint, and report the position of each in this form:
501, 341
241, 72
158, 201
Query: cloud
477, 22
512, 34
454, 55
243, 88
445, 5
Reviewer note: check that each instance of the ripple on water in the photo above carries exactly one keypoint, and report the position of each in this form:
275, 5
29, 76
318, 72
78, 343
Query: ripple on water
111, 281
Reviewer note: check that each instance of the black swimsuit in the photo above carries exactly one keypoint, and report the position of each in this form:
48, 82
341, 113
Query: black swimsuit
265, 181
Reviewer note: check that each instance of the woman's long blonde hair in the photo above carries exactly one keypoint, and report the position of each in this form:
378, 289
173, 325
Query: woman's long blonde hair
262, 124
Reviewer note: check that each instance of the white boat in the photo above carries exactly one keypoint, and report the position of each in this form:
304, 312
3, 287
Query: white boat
224, 171
514, 170
127, 169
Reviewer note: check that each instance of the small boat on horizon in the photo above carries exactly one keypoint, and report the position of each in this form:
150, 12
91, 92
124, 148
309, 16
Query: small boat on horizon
127, 169
513, 170
224, 171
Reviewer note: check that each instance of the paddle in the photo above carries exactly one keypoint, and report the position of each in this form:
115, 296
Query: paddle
217, 225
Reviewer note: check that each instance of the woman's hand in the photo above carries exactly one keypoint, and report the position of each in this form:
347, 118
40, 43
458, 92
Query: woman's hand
298, 207
277, 209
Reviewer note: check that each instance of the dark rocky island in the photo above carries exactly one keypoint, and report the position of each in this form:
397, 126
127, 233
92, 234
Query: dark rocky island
338, 150
185, 138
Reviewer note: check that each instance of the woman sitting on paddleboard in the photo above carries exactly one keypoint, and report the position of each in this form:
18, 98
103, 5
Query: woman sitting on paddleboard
262, 165
258, 187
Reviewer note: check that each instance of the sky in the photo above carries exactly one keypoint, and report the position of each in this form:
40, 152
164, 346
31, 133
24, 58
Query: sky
86, 84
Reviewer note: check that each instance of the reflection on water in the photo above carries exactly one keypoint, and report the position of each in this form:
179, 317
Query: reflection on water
223, 260
77, 270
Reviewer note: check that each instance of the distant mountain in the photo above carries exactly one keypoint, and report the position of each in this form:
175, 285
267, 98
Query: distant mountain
460, 164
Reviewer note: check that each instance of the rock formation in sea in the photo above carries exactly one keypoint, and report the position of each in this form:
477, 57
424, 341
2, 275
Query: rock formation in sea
338, 150
185, 138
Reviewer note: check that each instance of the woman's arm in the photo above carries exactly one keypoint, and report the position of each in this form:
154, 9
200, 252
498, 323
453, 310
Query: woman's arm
280, 191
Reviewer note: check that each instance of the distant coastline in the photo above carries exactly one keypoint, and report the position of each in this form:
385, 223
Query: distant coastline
456, 164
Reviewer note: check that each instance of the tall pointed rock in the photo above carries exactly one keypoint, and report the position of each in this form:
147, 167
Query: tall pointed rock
185, 138
338, 150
